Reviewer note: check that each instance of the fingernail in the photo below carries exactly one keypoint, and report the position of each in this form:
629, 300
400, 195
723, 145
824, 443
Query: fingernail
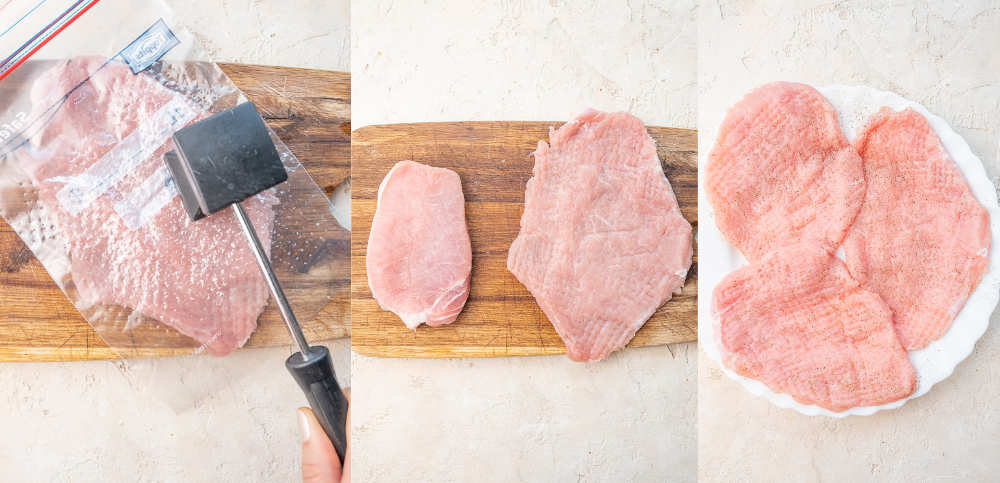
303, 425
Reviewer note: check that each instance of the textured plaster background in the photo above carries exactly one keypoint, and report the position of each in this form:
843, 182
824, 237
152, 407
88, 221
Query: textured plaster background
943, 55
628, 418
205, 419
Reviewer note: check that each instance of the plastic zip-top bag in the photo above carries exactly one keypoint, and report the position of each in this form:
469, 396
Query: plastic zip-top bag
90, 94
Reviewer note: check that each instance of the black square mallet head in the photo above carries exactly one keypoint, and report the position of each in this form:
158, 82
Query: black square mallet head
223, 160
219, 162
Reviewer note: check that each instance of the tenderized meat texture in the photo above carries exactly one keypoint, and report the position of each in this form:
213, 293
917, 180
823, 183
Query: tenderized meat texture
602, 242
782, 171
419, 257
133, 245
796, 321
921, 240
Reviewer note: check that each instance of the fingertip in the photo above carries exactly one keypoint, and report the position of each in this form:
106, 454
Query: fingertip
320, 463
304, 425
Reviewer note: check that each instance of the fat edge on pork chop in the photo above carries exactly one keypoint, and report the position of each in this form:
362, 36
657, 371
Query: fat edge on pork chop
602, 242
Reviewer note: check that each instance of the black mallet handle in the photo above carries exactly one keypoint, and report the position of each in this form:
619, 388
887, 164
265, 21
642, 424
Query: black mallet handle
316, 378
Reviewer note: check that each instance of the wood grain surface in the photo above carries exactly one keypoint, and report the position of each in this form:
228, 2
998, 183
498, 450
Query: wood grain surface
501, 317
310, 111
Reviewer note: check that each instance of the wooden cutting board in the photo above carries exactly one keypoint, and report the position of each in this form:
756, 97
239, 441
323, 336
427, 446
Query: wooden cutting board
493, 159
310, 110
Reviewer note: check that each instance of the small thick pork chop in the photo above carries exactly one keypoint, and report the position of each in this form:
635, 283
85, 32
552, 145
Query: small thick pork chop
921, 240
782, 172
419, 254
602, 242
98, 166
796, 321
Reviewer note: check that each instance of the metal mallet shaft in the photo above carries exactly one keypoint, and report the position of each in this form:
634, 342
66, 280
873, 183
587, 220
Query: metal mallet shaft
272, 281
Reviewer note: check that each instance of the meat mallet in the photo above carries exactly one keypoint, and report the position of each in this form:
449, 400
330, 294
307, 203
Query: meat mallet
219, 162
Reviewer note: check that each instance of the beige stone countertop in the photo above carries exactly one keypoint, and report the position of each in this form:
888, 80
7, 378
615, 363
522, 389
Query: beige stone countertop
628, 418
943, 55
95, 421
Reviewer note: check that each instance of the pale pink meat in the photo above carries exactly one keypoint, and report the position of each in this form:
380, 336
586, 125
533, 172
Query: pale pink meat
197, 277
419, 258
782, 171
796, 321
921, 240
602, 242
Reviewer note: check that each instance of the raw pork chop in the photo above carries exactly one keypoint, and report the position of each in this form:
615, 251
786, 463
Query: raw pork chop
921, 240
782, 171
98, 166
419, 258
602, 242
796, 321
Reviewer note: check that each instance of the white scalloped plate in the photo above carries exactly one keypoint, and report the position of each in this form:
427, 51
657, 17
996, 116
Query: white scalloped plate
934, 363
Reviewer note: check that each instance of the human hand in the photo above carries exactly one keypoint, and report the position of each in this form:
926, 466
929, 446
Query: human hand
320, 463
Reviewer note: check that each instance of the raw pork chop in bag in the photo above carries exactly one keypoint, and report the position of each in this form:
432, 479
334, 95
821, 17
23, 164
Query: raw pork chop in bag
97, 164
89, 101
